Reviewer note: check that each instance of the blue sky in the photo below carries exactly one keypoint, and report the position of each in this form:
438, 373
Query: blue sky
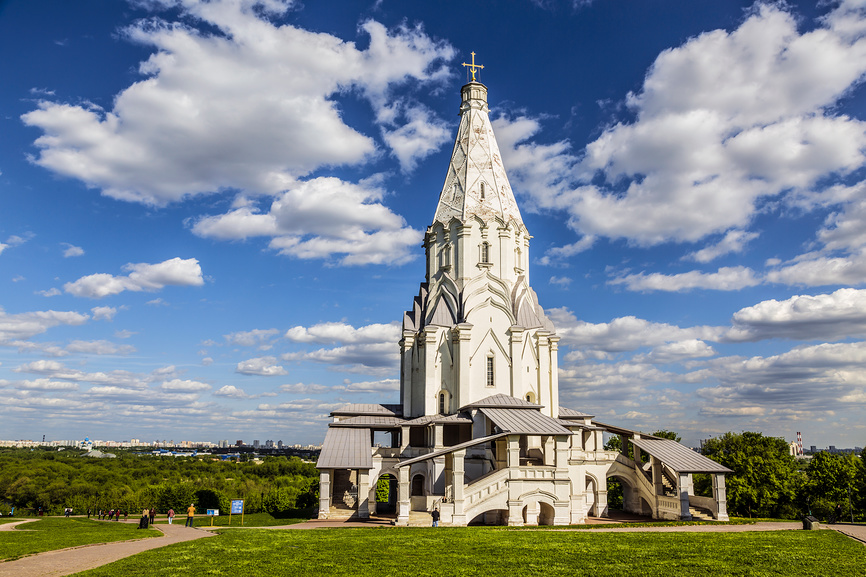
211, 212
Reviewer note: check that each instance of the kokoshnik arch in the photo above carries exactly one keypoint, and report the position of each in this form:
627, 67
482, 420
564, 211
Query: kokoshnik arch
479, 432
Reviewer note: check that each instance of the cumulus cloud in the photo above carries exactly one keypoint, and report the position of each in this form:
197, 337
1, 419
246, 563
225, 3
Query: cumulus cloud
184, 386
835, 316
319, 218
304, 388
262, 366
721, 122
726, 278
23, 326
385, 385
230, 391
100, 347
253, 338
103, 313
142, 277
245, 104
72, 250
339, 332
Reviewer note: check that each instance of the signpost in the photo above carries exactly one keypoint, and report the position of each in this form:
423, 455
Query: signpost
213, 513
237, 509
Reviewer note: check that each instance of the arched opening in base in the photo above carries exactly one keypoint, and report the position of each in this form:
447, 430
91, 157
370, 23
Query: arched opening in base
492, 517
387, 494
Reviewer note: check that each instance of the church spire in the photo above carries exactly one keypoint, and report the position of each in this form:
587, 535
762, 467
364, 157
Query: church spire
476, 183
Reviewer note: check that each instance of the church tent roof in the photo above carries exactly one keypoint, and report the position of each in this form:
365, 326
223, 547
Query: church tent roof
524, 422
346, 448
679, 457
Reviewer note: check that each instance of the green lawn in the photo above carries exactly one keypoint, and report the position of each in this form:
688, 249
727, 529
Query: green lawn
52, 533
479, 551
251, 520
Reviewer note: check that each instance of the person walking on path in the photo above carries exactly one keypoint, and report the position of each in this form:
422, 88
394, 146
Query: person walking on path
190, 513
142, 524
170, 516
152, 515
435, 515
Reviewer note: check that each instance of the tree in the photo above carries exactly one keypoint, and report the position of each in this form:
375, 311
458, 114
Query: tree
665, 434
830, 477
765, 478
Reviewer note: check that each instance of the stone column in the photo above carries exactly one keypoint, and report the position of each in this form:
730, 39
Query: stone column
403, 504
462, 336
513, 450
515, 513
544, 374
601, 503
516, 352
372, 499
548, 448
438, 474
457, 474
561, 461
464, 257
720, 496
658, 483
406, 385
325, 476
431, 377
683, 491
404, 439
363, 493
554, 376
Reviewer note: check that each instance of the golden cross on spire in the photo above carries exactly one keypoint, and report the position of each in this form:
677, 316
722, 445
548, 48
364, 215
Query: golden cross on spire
473, 68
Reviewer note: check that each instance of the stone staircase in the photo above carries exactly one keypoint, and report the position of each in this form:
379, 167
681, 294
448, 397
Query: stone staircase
420, 519
700, 514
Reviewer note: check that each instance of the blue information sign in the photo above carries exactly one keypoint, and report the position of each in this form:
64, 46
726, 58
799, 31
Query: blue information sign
237, 506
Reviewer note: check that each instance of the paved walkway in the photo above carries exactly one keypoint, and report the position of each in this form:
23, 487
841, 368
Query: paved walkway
76, 559
854, 531
13, 524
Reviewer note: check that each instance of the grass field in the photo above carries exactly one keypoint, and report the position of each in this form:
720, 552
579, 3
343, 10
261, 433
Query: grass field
480, 551
251, 520
52, 533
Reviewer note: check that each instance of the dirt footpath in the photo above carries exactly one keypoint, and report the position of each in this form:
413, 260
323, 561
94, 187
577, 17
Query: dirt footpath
76, 559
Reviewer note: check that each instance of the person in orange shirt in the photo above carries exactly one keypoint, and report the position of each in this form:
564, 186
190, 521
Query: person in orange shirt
190, 513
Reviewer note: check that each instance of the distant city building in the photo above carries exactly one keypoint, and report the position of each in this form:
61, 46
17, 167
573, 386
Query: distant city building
239, 443
256, 444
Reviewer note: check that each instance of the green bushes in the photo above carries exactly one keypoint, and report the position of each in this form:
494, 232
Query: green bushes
33, 479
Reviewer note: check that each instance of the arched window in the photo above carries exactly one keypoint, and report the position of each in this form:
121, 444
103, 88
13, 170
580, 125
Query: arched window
517, 256
445, 256
441, 403
418, 485
490, 382
482, 191
485, 252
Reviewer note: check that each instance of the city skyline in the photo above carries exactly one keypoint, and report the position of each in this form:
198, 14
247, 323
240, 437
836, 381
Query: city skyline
211, 213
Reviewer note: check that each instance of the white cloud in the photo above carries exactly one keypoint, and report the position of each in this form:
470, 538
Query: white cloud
835, 316
417, 137
726, 278
239, 103
46, 385
255, 337
680, 351
98, 348
385, 385
230, 391
304, 388
320, 218
816, 269
52, 292
560, 281
142, 277
733, 242
339, 332
184, 386
103, 313
722, 121
23, 326
263, 366
72, 250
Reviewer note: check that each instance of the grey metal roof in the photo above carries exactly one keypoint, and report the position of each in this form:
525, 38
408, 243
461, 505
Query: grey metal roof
568, 414
346, 448
501, 400
427, 419
679, 457
357, 409
524, 422
369, 422
622, 430
451, 449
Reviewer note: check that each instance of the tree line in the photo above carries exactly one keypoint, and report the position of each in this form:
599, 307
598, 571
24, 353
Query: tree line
768, 482
55, 480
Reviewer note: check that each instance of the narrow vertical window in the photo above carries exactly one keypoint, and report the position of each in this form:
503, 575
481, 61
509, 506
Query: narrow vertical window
490, 382
485, 252
482, 191
517, 256
441, 403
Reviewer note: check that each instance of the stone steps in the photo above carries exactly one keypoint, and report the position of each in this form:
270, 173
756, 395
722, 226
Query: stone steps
700, 514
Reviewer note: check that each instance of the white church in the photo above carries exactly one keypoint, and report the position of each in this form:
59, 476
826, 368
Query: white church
479, 433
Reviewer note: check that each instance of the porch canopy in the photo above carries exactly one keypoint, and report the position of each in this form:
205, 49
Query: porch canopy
678, 457
346, 448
